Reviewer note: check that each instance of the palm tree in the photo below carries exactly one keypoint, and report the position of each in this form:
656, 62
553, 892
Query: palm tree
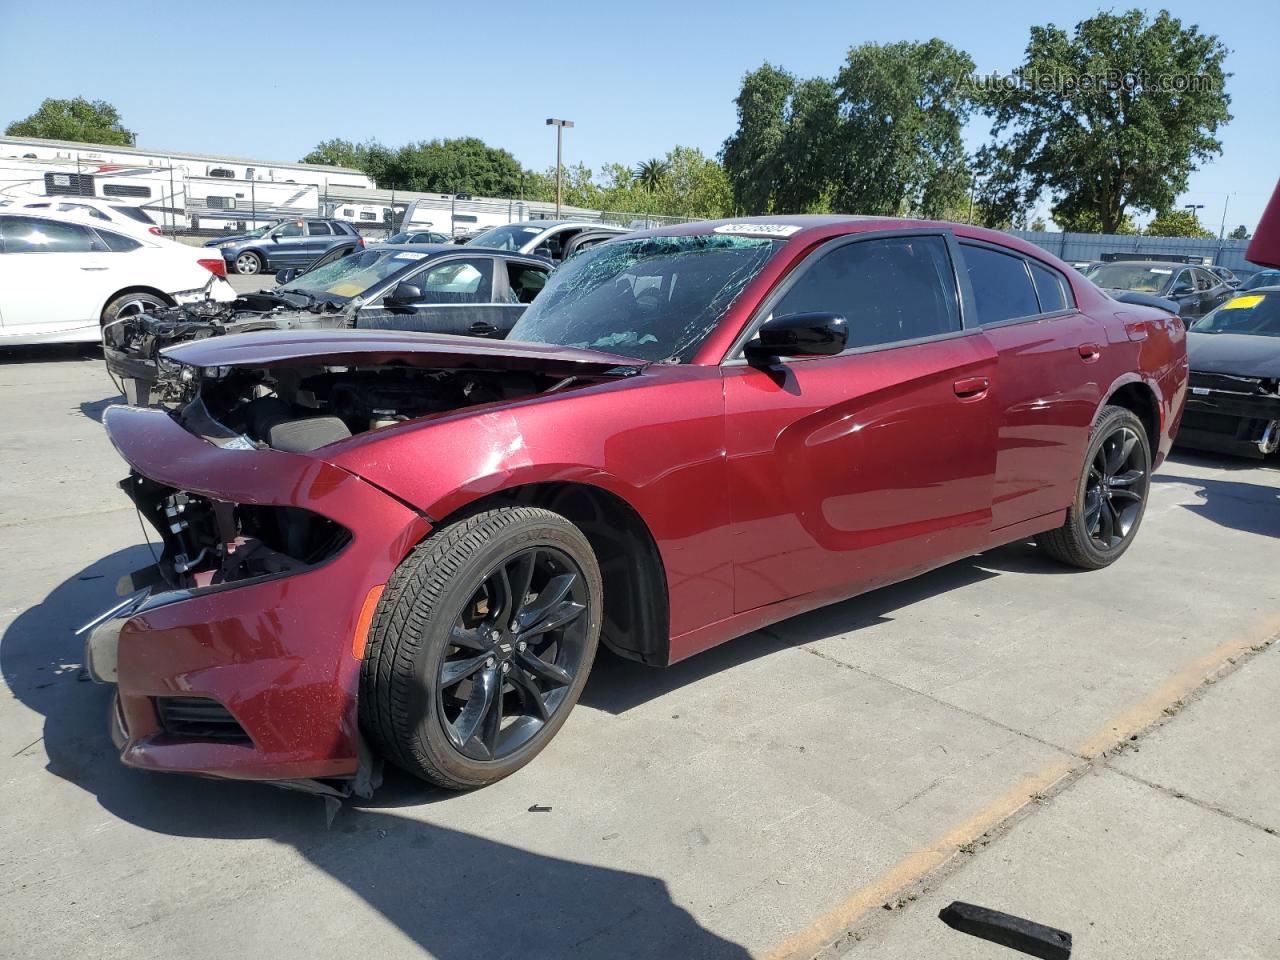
651, 173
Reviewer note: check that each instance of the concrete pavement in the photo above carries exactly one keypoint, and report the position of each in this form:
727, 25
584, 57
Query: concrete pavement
732, 806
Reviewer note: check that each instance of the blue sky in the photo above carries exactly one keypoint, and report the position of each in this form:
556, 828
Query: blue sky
636, 78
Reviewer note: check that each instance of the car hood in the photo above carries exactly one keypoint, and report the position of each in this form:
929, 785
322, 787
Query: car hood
1238, 354
366, 347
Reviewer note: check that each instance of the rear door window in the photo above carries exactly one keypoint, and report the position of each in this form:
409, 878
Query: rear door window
1002, 287
525, 282
317, 229
32, 235
889, 291
117, 242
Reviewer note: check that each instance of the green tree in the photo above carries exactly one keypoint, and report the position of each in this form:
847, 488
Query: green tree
752, 156
1087, 222
1177, 223
903, 107
651, 173
1128, 143
1239, 233
1038, 224
370, 157
883, 137
78, 119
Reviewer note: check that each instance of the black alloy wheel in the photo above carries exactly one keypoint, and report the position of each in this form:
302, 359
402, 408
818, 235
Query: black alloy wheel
513, 653
1111, 494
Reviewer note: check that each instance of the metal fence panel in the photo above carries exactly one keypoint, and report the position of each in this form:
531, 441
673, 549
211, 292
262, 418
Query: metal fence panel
1091, 246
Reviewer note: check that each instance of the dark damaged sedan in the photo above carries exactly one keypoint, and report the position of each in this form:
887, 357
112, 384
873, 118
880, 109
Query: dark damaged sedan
1234, 403
412, 545
420, 287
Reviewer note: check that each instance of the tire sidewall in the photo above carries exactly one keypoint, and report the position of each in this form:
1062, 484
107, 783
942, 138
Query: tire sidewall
256, 258
1110, 418
428, 734
111, 312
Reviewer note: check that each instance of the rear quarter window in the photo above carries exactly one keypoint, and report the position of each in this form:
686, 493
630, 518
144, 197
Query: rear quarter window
1051, 288
1002, 287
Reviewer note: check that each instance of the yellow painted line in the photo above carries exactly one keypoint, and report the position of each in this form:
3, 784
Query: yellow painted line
916, 866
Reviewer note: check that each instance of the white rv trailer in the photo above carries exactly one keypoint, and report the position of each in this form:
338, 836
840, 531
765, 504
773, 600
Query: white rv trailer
158, 190
191, 164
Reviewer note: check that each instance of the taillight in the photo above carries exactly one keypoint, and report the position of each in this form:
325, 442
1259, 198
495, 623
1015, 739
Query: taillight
156, 230
217, 267
359, 241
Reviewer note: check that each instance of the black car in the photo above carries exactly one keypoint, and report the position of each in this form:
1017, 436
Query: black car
1195, 290
287, 243
425, 287
1234, 401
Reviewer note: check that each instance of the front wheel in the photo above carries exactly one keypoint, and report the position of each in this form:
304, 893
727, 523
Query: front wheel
249, 263
481, 645
1111, 496
132, 304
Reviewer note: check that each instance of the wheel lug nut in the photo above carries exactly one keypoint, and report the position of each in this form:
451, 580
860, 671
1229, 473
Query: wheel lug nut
506, 668
521, 645
489, 662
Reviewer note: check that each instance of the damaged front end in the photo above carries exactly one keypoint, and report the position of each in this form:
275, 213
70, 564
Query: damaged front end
1232, 414
237, 653
132, 344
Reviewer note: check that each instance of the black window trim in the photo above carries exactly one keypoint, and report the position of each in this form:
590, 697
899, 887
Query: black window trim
734, 357
1071, 310
502, 278
373, 300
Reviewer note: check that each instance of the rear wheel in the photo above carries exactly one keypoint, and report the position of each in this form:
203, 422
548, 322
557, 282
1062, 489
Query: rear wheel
249, 263
1111, 497
131, 304
481, 646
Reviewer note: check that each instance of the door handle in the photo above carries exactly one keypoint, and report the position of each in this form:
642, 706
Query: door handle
1090, 352
483, 329
93, 268
971, 388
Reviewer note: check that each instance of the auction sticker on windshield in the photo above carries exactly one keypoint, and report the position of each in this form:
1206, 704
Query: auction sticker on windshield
759, 229
1243, 303
409, 256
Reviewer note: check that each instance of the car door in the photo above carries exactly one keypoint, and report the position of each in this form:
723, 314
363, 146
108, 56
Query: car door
518, 282
454, 292
1212, 288
850, 471
1046, 396
53, 276
287, 246
1182, 291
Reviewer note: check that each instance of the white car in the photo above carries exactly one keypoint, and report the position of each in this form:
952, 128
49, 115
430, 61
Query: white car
63, 277
92, 207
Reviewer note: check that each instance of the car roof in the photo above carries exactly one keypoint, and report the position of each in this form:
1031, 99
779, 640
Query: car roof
131, 228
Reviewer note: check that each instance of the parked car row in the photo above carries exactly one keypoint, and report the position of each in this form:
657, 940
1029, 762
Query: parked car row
689, 433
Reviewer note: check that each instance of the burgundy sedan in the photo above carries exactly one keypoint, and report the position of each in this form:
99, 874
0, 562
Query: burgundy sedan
412, 545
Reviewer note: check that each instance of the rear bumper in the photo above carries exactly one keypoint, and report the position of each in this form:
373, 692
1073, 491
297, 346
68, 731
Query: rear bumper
275, 653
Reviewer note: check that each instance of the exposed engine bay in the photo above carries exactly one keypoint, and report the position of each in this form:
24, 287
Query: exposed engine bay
297, 409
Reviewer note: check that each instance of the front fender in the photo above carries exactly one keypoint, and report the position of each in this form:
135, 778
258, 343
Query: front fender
656, 442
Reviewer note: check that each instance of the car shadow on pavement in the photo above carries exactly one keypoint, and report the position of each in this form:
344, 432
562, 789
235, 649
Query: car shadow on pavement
1249, 507
51, 353
96, 408
617, 685
455, 894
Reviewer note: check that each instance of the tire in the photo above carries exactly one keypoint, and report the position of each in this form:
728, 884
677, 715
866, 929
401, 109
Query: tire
249, 263
1111, 495
129, 303
413, 711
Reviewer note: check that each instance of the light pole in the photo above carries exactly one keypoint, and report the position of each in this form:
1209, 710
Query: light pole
559, 125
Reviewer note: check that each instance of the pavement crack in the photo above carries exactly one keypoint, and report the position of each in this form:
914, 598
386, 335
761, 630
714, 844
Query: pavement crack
939, 701
1194, 801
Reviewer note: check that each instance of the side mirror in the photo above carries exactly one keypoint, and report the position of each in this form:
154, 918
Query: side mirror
1182, 289
405, 294
799, 335
286, 275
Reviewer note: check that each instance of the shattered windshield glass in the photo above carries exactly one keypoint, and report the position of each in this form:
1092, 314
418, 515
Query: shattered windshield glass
352, 276
654, 298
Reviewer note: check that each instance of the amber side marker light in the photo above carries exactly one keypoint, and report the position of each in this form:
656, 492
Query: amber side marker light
360, 639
